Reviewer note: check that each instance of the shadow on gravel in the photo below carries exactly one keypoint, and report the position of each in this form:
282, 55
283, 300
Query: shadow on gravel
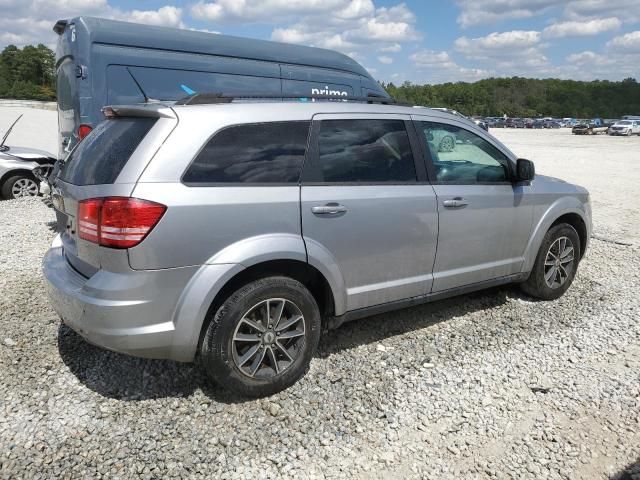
53, 226
630, 472
127, 378
386, 325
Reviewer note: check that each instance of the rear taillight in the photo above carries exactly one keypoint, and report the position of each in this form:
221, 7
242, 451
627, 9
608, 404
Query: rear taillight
117, 222
83, 131
89, 219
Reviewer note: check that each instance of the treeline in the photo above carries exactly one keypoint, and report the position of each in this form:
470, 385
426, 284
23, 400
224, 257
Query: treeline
526, 97
27, 73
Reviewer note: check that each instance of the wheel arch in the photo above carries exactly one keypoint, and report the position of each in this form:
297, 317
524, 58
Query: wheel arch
578, 223
247, 260
17, 171
565, 210
301, 271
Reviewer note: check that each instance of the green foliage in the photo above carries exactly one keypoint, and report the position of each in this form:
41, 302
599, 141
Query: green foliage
28, 73
527, 97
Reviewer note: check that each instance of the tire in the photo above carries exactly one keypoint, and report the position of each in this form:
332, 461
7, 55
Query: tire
537, 285
13, 187
222, 356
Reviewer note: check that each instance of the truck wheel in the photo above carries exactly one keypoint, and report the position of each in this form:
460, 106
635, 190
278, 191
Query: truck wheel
21, 185
261, 340
556, 263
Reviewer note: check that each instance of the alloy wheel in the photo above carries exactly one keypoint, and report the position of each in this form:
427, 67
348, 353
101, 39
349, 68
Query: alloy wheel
559, 262
24, 187
268, 338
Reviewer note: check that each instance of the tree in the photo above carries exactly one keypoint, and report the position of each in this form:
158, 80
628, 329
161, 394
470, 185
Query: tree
28, 73
526, 97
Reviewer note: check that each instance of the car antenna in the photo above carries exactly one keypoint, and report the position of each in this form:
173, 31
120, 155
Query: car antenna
4, 139
146, 97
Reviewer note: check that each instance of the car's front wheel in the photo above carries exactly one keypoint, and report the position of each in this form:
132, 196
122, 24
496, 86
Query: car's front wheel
556, 263
262, 338
20, 186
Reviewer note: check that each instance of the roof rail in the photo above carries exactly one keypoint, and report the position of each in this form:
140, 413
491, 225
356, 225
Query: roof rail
213, 98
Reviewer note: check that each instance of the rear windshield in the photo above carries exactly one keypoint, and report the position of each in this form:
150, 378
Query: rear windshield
102, 155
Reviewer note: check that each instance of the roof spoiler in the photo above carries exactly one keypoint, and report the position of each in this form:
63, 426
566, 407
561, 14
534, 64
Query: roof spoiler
156, 111
60, 26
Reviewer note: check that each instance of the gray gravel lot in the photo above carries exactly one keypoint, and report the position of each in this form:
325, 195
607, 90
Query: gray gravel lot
490, 385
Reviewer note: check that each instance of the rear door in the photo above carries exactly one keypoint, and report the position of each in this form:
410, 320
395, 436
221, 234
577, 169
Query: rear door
484, 218
367, 206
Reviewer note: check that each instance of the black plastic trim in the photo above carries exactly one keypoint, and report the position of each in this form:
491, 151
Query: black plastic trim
335, 322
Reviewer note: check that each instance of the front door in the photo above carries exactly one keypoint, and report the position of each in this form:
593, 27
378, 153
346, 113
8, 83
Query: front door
484, 218
366, 204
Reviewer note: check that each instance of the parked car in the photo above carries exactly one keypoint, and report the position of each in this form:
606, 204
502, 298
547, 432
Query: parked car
551, 124
17, 166
590, 127
483, 124
202, 233
625, 127
515, 123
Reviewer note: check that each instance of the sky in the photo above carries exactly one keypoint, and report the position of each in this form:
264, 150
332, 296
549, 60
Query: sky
428, 41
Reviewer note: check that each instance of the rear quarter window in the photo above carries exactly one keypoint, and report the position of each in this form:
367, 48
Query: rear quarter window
101, 156
251, 153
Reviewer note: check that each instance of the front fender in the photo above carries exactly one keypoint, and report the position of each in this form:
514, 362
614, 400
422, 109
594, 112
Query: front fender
7, 165
560, 207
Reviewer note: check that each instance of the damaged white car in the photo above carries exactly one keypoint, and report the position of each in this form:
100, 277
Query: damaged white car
22, 169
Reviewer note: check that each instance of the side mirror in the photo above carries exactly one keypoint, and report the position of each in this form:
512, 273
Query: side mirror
525, 170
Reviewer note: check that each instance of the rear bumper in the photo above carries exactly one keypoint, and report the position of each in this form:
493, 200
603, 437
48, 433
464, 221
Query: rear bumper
128, 312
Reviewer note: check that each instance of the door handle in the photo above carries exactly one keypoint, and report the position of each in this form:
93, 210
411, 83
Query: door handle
457, 202
328, 209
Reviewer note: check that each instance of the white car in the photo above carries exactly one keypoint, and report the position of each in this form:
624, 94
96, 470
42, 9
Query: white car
20, 168
625, 127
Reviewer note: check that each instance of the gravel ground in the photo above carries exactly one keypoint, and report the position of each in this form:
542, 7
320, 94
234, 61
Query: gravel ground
490, 385
608, 166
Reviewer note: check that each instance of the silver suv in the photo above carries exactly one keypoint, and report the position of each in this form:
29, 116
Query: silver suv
233, 233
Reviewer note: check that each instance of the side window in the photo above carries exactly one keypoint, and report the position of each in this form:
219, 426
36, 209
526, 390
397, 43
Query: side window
462, 157
252, 153
368, 151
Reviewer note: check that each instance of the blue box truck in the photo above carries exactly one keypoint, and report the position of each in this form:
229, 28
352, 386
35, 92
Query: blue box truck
105, 62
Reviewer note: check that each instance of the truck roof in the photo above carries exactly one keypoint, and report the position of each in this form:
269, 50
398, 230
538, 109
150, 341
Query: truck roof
113, 32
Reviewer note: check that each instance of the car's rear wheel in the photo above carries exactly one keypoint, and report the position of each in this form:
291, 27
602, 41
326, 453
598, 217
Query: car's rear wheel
21, 185
262, 338
556, 263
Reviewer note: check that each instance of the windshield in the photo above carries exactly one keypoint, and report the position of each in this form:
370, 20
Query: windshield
624, 122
